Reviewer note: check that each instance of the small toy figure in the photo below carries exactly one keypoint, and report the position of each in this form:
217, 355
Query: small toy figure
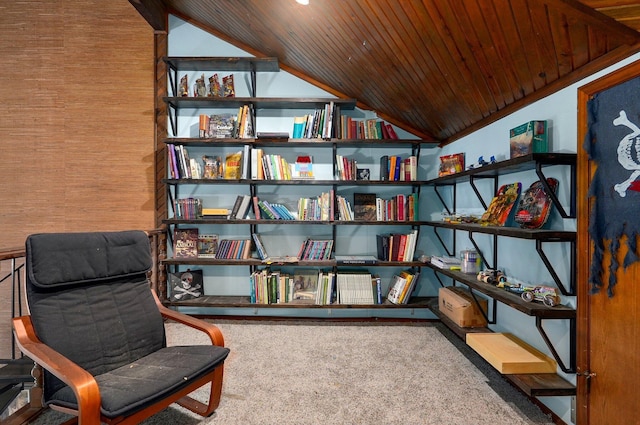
548, 295
200, 88
491, 276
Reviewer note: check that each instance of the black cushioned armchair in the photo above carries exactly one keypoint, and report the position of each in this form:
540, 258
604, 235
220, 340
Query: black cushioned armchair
97, 330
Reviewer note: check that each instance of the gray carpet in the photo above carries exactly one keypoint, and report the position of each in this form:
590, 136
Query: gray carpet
355, 373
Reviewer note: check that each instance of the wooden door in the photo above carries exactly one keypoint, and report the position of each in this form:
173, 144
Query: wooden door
608, 328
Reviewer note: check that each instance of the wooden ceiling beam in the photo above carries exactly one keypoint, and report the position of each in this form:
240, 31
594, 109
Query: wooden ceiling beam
154, 12
592, 17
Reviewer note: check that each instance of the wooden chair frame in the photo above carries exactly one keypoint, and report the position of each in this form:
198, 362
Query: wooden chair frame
86, 389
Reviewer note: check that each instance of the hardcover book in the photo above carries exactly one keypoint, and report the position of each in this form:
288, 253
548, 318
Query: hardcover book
207, 246
364, 206
185, 243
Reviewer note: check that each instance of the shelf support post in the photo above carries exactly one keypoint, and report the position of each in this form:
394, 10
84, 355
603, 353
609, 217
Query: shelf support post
572, 272
572, 345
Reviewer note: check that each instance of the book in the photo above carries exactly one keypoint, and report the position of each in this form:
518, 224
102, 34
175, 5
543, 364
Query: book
260, 249
232, 166
185, 243
215, 212
448, 263
185, 285
272, 135
395, 288
364, 206
356, 259
221, 126
501, 205
305, 285
207, 245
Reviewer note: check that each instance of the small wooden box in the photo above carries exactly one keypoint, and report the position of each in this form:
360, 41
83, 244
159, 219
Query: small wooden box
509, 355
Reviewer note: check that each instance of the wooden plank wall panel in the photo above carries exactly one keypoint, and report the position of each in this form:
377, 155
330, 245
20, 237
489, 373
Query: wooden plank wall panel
77, 128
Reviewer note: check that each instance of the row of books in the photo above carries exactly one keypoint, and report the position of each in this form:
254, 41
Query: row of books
396, 168
396, 246
309, 286
181, 166
369, 207
401, 207
234, 249
189, 243
366, 207
315, 249
320, 124
228, 126
255, 164
372, 128
402, 286
316, 208
187, 208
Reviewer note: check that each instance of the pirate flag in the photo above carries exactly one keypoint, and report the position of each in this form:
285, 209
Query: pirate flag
613, 143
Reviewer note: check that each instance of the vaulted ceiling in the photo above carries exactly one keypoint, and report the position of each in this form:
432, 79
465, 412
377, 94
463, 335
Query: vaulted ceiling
439, 69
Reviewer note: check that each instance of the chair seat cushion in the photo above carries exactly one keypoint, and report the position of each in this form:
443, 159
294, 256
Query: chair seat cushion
135, 386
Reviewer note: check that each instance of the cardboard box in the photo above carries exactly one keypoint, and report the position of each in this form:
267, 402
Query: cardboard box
458, 305
530, 137
510, 355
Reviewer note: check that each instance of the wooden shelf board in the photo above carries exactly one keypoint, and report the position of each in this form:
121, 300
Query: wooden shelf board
238, 64
244, 302
516, 232
532, 384
522, 163
512, 300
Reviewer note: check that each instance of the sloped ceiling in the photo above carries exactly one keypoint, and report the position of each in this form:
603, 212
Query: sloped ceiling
439, 69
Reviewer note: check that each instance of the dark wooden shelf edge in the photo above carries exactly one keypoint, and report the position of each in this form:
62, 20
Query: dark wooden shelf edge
542, 384
523, 163
533, 385
514, 232
244, 302
305, 263
291, 142
512, 300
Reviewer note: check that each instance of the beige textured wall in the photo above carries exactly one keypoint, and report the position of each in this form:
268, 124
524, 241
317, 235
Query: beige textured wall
76, 121
76, 118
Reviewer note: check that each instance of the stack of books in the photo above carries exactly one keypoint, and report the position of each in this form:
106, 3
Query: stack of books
447, 263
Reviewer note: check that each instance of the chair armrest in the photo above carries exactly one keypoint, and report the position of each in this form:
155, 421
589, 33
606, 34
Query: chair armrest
82, 383
210, 329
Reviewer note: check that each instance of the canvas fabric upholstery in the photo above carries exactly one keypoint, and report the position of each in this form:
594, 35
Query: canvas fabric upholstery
89, 299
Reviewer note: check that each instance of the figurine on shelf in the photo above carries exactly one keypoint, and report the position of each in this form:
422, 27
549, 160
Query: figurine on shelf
214, 86
184, 86
200, 88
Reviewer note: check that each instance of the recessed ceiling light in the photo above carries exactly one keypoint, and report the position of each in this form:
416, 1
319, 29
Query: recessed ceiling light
305, 2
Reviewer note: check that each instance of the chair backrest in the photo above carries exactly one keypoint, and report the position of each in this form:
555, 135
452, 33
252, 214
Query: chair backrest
89, 298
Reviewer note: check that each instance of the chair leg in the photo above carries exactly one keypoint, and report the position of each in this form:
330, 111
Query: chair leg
215, 393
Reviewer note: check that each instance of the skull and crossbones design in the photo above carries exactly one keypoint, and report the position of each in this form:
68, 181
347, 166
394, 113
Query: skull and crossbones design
628, 155
186, 289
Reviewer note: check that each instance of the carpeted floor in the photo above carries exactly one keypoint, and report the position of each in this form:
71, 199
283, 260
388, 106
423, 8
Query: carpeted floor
355, 373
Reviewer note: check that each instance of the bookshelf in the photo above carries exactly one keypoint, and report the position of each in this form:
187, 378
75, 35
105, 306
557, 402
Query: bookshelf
548, 384
220, 192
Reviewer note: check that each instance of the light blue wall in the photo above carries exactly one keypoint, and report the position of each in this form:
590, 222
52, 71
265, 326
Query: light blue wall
516, 257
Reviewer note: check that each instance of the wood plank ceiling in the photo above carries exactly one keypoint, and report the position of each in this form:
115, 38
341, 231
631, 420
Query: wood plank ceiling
439, 69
